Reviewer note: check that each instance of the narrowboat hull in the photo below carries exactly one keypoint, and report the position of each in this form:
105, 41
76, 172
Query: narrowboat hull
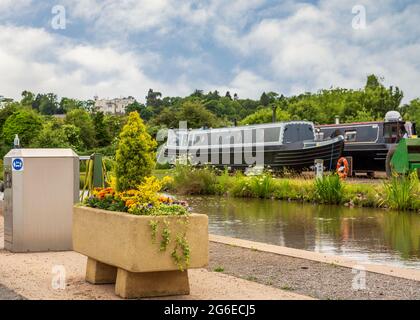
296, 156
367, 157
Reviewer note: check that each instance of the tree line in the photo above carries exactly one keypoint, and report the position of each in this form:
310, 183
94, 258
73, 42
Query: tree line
41, 120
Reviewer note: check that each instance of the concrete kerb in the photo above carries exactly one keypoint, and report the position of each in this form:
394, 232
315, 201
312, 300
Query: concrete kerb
405, 273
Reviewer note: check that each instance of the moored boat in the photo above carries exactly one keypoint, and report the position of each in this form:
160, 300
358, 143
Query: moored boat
292, 145
369, 145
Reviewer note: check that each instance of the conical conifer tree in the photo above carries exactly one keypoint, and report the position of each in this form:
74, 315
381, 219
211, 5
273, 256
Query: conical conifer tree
136, 156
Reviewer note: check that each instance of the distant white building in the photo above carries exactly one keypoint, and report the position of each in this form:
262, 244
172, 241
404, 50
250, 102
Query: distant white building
114, 106
4, 101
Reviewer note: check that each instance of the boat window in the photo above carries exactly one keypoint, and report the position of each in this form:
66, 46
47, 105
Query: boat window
272, 134
409, 129
178, 139
350, 136
393, 132
250, 135
183, 140
298, 132
198, 139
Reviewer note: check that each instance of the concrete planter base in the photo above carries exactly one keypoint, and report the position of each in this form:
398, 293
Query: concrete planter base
100, 273
120, 250
130, 285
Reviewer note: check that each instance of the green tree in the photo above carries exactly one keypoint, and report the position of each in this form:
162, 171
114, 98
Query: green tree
114, 123
67, 105
265, 116
361, 116
154, 101
51, 136
6, 112
46, 103
411, 111
102, 135
197, 115
135, 156
72, 134
26, 123
373, 82
268, 98
135, 106
27, 98
81, 119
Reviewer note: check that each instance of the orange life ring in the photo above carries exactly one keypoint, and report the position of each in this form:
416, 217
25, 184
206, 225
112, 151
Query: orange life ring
342, 168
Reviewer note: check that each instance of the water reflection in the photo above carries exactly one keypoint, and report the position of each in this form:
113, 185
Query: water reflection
369, 235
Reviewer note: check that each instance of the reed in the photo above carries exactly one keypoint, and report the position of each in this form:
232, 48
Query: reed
329, 189
190, 180
401, 192
262, 186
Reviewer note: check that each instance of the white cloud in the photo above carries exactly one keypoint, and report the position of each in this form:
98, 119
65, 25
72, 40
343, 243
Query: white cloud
58, 65
288, 47
315, 47
247, 84
10, 5
12, 8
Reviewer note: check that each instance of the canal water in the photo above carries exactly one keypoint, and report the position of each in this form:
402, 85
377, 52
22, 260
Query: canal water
368, 235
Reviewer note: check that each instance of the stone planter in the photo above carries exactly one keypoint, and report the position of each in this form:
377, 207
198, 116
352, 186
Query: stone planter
120, 250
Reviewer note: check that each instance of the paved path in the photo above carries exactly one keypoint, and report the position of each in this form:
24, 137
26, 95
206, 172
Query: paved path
312, 274
7, 294
31, 275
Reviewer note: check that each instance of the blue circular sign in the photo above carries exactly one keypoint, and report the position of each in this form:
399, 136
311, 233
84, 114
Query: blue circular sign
17, 164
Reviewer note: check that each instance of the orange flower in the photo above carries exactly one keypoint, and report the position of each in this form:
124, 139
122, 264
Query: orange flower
129, 202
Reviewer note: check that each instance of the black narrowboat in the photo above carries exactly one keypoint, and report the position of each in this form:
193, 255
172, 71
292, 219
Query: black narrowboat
292, 145
369, 145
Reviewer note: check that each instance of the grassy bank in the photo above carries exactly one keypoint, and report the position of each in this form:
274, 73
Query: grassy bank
400, 193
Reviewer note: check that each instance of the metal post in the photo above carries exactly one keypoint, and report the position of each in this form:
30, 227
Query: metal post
98, 177
319, 168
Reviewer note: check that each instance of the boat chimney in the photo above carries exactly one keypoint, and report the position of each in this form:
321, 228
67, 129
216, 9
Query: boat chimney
337, 119
274, 113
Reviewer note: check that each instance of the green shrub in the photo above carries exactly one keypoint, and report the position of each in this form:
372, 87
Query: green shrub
224, 182
262, 186
190, 180
329, 189
401, 191
26, 123
283, 189
240, 186
81, 119
135, 157
362, 195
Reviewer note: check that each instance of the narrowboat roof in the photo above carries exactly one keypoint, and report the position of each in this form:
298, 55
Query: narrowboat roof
254, 126
351, 124
348, 124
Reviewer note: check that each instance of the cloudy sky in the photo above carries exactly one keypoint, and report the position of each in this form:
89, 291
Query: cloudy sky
117, 48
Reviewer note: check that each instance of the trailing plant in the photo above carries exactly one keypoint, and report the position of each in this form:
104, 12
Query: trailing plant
154, 226
181, 252
145, 200
166, 236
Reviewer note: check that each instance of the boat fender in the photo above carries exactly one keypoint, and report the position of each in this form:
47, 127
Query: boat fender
342, 168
